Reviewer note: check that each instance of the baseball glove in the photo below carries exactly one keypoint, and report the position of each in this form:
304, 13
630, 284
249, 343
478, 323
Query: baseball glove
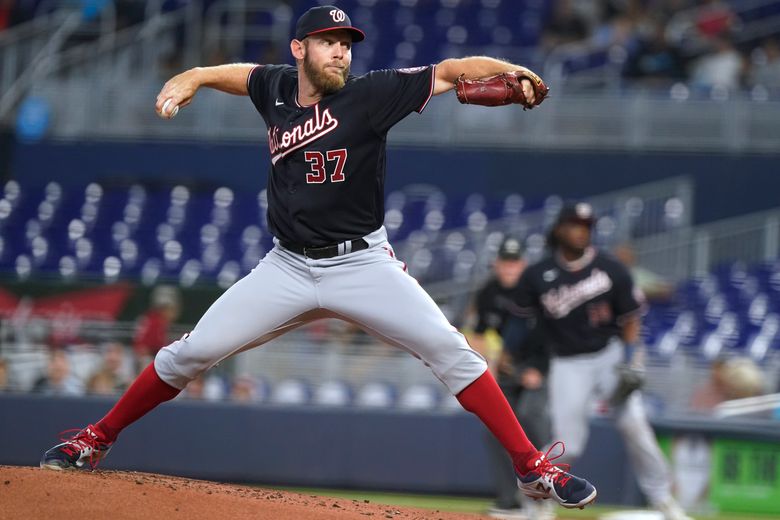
630, 379
503, 89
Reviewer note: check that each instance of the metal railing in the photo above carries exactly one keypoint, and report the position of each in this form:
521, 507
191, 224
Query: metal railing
688, 252
625, 216
76, 79
333, 354
83, 85
748, 406
635, 121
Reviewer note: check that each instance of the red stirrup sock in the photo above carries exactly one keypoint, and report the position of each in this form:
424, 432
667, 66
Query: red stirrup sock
146, 392
484, 398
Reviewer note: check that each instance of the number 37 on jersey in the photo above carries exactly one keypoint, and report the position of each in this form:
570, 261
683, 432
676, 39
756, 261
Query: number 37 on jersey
332, 161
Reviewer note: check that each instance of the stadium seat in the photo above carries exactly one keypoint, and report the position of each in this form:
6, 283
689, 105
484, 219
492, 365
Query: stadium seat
375, 395
766, 342
290, 392
332, 393
724, 338
419, 398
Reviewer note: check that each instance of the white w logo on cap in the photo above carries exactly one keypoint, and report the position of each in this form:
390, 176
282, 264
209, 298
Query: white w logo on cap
338, 15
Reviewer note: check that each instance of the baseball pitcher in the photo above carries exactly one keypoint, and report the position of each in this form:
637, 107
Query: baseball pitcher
327, 132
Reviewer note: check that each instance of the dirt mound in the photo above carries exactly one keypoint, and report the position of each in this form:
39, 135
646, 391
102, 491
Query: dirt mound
33, 493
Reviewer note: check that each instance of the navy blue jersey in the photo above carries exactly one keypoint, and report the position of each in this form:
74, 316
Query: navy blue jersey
326, 183
497, 309
579, 303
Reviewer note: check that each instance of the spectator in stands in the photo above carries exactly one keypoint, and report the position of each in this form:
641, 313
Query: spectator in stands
194, 389
244, 390
58, 379
205, 387
715, 18
115, 363
743, 378
4, 384
129, 13
654, 287
564, 27
520, 368
101, 383
111, 377
14, 12
152, 331
619, 29
735, 378
766, 65
723, 67
713, 391
6, 10
655, 60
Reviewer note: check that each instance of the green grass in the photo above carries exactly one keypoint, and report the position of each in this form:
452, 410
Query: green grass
480, 505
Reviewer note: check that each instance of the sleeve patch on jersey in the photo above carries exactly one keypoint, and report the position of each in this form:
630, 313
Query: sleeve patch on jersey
412, 70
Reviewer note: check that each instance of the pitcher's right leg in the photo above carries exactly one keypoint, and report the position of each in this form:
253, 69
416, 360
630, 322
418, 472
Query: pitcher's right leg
277, 296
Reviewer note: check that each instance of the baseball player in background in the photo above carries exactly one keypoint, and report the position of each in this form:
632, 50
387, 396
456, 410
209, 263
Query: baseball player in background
327, 134
590, 314
520, 365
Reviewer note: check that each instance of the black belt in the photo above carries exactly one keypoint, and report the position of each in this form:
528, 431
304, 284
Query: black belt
318, 253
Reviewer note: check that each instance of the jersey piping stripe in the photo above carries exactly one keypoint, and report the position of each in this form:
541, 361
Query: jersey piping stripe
249, 76
430, 93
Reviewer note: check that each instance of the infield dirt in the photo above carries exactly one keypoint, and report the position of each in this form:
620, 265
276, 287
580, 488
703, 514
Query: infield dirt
34, 494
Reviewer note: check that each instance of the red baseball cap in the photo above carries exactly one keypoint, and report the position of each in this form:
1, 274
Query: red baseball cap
325, 18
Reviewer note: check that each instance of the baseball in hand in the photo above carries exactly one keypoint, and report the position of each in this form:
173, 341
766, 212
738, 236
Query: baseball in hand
169, 110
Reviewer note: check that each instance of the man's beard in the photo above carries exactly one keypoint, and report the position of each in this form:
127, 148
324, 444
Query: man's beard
324, 81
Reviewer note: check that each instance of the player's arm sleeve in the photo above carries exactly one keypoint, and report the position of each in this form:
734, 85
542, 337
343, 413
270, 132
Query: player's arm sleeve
258, 84
533, 352
525, 299
395, 93
521, 318
480, 306
625, 301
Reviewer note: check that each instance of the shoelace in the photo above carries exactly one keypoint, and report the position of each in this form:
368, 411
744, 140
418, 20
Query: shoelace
82, 440
558, 473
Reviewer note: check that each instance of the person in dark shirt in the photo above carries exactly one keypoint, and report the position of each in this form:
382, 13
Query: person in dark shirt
590, 314
153, 328
655, 61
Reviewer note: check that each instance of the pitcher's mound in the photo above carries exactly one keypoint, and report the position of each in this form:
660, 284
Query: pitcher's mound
63, 495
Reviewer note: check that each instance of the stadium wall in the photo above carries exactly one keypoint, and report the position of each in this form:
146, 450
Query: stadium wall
726, 184
311, 447
380, 449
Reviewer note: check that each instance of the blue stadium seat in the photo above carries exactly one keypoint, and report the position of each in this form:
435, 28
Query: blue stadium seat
725, 338
765, 342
